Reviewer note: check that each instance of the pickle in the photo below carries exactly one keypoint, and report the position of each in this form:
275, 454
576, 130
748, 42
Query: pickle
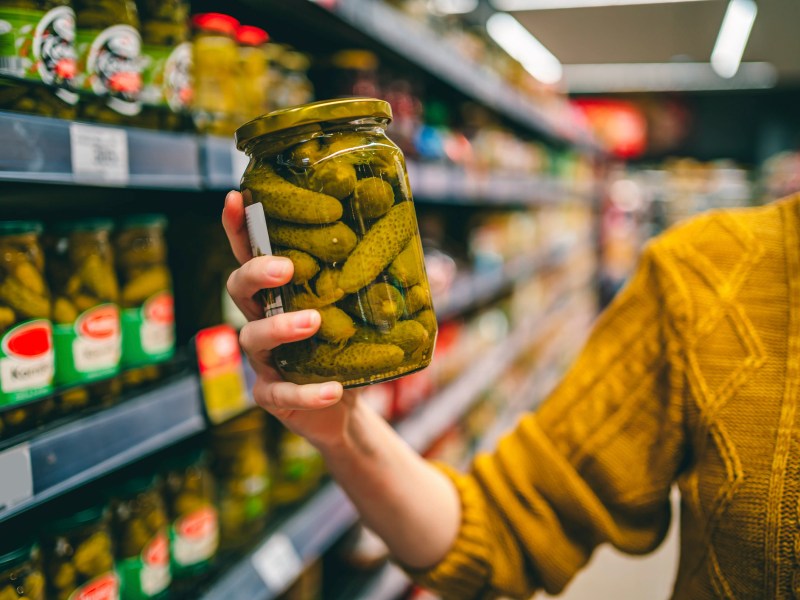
409, 335
337, 327
98, 278
353, 359
27, 274
378, 248
326, 284
84, 302
335, 177
372, 198
24, 301
380, 304
7, 318
306, 154
64, 311
305, 266
329, 243
406, 267
417, 298
427, 319
304, 300
285, 201
140, 288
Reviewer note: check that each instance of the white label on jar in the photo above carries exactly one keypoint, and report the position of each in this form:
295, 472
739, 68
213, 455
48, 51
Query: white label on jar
257, 230
99, 153
239, 162
17, 375
277, 562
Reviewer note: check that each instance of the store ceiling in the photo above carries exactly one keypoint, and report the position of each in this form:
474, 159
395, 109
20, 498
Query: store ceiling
661, 33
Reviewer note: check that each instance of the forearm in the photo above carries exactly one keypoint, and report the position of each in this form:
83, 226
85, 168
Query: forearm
409, 503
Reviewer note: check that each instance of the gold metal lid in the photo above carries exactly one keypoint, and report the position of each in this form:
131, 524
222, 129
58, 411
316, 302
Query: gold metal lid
340, 109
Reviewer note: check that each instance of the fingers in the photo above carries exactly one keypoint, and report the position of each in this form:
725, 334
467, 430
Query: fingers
235, 227
255, 275
282, 396
259, 338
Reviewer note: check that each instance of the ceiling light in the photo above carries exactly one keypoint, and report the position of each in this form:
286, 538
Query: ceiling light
512, 37
514, 5
664, 77
453, 7
733, 35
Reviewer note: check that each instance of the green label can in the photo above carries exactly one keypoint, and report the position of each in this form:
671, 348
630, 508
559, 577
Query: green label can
148, 331
166, 76
89, 349
27, 362
194, 539
147, 575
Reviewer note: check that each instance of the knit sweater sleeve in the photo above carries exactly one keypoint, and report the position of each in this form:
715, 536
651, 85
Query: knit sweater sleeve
593, 465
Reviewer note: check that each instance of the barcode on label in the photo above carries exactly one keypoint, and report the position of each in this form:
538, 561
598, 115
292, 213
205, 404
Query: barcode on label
277, 562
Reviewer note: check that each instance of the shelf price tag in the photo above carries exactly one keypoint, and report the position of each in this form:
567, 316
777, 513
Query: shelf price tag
99, 154
277, 562
219, 360
16, 475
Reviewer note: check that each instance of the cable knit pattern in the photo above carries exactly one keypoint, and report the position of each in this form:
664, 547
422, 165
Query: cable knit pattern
691, 376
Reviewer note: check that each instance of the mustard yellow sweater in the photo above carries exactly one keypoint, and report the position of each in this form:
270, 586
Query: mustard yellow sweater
691, 376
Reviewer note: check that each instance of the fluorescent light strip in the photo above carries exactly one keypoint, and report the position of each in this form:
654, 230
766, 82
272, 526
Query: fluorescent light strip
518, 5
665, 77
453, 7
733, 35
512, 37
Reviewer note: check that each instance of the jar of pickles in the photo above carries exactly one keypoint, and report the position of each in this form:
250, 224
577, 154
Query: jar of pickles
109, 63
37, 57
252, 73
148, 321
139, 523
298, 466
194, 526
326, 188
86, 331
21, 576
242, 470
167, 60
26, 332
79, 555
215, 60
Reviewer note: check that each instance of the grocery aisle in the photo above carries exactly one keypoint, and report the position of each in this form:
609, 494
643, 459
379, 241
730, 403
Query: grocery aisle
135, 463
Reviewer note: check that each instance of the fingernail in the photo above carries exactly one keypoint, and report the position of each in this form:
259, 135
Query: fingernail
228, 197
277, 268
329, 391
306, 319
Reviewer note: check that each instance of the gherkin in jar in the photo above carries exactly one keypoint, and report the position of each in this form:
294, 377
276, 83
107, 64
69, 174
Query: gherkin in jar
325, 182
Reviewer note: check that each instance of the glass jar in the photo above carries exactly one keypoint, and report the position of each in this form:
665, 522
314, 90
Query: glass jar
298, 465
214, 62
194, 526
295, 86
26, 332
109, 49
37, 57
86, 321
21, 575
167, 61
146, 301
326, 188
79, 555
242, 470
139, 523
252, 73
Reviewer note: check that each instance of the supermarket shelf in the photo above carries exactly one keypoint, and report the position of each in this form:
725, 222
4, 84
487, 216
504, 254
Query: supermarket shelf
38, 149
425, 48
71, 455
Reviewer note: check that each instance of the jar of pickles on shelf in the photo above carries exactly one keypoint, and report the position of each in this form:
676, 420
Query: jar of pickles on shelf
326, 188
21, 575
252, 72
37, 57
189, 492
146, 302
139, 523
242, 470
79, 555
26, 332
86, 331
214, 62
109, 49
298, 466
166, 64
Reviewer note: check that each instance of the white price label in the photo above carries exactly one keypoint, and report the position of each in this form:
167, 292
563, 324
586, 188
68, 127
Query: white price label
99, 154
277, 562
239, 162
16, 475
